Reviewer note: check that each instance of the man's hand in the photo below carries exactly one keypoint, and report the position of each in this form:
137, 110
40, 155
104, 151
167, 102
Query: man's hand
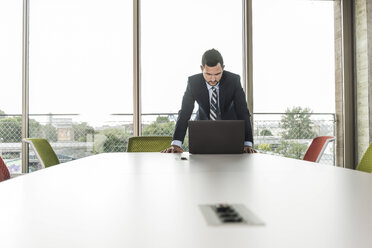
173, 149
249, 149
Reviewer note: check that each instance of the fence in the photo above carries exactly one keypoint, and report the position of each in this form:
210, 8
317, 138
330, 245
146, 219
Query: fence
290, 134
282, 134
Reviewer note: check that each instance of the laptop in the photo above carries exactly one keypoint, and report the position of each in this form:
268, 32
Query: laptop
216, 137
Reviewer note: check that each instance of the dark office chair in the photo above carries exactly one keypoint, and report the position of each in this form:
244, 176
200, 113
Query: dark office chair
316, 149
4, 172
148, 143
365, 163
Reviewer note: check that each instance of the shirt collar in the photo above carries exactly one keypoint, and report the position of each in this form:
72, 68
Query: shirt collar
217, 86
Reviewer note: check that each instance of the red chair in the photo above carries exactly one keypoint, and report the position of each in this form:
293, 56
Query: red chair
317, 147
4, 172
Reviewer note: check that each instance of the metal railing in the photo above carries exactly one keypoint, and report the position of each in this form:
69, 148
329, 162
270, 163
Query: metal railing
290, 134
282, 134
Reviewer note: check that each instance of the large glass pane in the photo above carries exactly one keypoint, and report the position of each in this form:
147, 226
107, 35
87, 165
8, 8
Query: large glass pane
11, 83
174, 38
81, 75
294, 68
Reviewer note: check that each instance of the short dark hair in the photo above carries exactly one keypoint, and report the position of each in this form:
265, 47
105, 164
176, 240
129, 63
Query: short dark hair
211, 58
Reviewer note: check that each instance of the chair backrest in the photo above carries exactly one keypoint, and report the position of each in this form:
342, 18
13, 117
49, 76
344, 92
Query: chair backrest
4, 172
317, 148
365, 163
43, 151
148, 143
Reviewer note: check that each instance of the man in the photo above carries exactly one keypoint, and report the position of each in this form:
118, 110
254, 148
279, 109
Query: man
220, 96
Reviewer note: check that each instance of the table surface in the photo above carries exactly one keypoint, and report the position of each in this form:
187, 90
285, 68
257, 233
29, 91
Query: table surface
152, 200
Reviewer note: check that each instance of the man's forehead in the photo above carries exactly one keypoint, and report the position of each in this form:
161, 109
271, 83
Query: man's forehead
213, 69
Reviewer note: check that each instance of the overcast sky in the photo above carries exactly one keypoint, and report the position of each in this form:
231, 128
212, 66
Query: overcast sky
81, 53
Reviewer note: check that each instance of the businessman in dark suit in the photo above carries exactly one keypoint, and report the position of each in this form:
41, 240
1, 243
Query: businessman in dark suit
213, 81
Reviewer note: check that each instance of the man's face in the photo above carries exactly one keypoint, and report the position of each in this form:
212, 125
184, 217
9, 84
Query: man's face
212, 74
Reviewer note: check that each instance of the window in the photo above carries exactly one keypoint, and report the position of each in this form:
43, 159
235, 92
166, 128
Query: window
173, 40
11, 83
81, 75
293, 72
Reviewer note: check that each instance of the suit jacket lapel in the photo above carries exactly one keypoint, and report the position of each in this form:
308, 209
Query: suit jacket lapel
204, 96
222, 90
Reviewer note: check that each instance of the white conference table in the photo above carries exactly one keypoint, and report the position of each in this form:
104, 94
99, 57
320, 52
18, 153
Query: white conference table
152, 200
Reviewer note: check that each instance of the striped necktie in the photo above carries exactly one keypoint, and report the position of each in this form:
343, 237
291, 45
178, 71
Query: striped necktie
214, 106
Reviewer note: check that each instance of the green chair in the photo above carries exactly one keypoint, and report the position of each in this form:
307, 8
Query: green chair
44, 152
149, 143
365, 163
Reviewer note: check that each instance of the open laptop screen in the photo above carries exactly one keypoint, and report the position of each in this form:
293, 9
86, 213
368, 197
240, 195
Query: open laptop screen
216, 137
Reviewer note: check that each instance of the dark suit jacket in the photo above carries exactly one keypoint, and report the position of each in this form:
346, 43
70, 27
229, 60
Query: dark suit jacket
233, 105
